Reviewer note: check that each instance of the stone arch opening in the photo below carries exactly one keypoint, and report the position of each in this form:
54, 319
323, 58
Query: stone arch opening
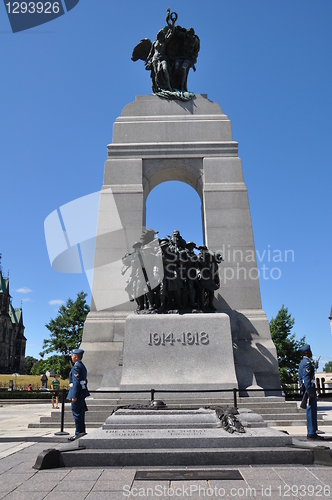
167, 207
186, 170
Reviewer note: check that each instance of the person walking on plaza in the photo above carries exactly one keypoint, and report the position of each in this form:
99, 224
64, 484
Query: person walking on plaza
307, 381
78, 391
55, 386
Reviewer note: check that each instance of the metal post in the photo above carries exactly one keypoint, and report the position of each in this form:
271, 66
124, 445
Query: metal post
235, 397
152, 394
62, 432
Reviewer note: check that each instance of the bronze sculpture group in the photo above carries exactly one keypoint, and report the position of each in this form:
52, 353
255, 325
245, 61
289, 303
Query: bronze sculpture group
166, 275
170, 58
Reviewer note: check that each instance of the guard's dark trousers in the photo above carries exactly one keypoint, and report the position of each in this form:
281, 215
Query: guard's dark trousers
78, 410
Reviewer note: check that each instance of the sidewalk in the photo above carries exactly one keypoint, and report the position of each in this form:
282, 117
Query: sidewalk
20, 446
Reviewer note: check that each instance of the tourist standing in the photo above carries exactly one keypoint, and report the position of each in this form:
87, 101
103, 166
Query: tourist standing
55, 386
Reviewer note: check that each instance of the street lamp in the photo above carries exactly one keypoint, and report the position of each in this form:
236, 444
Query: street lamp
15, 375
330, 318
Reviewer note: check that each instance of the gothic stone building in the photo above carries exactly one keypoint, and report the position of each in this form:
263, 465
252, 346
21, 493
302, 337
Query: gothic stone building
12, 340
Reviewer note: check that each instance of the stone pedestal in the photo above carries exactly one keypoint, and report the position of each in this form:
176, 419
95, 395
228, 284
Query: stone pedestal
178, 352
185, 438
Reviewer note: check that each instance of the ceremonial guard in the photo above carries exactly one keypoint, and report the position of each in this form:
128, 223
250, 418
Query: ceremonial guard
78, 391
307, 383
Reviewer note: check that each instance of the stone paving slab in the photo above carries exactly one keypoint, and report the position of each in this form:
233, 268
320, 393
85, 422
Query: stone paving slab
10, 448
18, 480
116, 483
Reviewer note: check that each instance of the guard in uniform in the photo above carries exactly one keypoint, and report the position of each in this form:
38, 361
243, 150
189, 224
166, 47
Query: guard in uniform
307, 378
78, 391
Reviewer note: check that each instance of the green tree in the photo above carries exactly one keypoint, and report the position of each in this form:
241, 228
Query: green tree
65, 333
287, 346
39, 367
55, 363
327, 367
29, 361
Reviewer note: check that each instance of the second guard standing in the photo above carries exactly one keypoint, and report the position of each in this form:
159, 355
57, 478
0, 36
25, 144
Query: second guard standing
307, 379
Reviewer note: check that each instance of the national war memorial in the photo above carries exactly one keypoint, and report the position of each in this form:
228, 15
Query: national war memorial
161, 315
174, 134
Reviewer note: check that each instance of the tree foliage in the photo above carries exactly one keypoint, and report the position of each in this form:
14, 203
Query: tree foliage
55, 363
29, 361
328, 367
287, 346
65, 333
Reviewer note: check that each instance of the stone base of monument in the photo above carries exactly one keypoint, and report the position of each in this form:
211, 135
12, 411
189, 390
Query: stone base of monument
189, 352
163, 437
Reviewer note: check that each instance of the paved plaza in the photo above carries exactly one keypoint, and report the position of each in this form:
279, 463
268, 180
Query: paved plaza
20, 446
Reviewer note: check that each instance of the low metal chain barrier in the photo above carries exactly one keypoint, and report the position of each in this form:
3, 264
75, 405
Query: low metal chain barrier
152, 393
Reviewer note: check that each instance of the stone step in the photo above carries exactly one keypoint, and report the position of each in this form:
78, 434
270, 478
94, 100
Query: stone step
266, 408
287, 416
186, 400
89, 417
287, 423
300, 422
69, 424
186, 457
101, 416
25, 401
274, 410
285, 408
47, 422
199, 402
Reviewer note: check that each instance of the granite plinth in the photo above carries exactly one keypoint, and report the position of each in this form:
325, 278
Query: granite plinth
178, 352
201, 428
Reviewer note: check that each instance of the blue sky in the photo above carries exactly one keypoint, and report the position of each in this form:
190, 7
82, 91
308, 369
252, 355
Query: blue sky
266, 63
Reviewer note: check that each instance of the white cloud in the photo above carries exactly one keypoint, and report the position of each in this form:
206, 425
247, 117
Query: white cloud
56, 302
24, 289
27, 300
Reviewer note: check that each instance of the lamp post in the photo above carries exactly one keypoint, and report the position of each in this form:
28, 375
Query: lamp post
330, 318
15, 375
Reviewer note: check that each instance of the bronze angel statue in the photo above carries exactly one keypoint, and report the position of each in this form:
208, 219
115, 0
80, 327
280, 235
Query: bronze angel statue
169, 58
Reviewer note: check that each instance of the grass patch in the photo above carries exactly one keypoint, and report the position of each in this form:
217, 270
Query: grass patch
23, 381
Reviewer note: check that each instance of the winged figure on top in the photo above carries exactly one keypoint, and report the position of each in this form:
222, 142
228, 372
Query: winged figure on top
169, 58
